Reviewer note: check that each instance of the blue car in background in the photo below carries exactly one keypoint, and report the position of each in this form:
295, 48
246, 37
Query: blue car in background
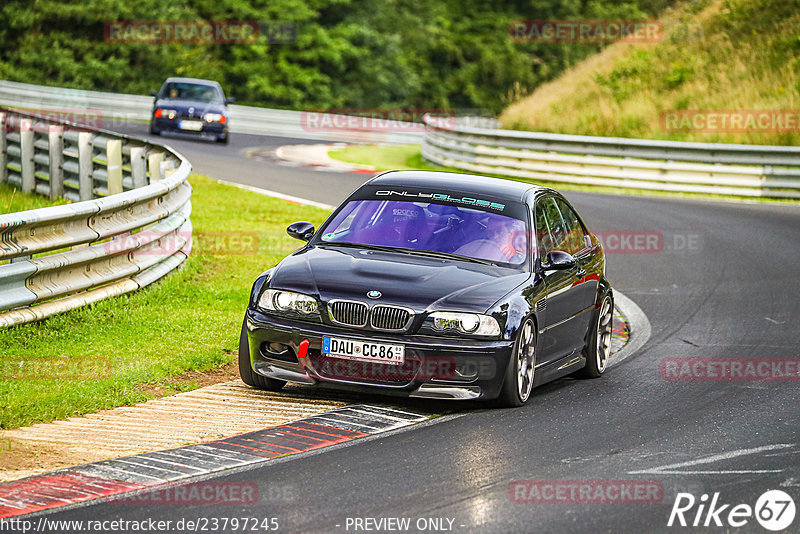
191, 106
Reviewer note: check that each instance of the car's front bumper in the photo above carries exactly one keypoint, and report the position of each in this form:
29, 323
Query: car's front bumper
435, 367
209, 129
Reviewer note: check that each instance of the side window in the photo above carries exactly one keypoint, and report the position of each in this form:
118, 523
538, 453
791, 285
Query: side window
574, 241
550, 232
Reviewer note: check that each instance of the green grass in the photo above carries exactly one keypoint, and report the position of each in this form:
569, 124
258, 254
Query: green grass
404, 157
188, 321
13, 200
383, 157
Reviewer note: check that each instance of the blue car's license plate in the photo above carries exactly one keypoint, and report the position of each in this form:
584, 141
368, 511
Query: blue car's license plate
194, 126
366, 351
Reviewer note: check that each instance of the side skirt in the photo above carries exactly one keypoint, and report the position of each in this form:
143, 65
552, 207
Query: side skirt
559, 368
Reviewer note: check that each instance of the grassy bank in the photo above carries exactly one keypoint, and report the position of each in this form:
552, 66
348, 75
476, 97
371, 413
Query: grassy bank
715, 55
118, 351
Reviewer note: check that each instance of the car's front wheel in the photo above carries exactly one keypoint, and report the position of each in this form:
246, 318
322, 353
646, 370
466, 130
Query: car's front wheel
250, 377
518, 382
598, 347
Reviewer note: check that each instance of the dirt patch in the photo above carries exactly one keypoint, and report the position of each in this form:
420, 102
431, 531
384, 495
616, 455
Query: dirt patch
19, 458
191, 380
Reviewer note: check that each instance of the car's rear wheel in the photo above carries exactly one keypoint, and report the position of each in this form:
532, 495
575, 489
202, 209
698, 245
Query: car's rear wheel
518, 382
598, 347
154, 130
250, 377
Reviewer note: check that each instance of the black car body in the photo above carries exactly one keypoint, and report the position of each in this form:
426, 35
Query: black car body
191, 106
436, 285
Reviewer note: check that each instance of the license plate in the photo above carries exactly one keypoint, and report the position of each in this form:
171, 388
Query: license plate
195, 126
364, 351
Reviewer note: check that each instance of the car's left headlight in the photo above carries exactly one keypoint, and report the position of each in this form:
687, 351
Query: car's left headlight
288, 302
466, 323
214, 117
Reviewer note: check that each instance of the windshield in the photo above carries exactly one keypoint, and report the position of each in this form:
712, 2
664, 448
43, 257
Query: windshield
190, 91
437, 228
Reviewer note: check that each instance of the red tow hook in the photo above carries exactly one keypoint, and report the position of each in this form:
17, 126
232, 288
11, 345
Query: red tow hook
302, 353
302, 350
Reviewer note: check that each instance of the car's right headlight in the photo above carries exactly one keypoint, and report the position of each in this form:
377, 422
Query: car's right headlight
288, 302
466, 323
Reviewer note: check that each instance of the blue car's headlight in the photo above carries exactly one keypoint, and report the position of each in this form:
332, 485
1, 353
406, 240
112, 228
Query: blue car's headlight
465, 323
288, 302
213, 117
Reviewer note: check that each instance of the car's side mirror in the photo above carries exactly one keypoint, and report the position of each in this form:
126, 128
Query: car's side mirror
230, 100
558, 260
301, 230
154, 94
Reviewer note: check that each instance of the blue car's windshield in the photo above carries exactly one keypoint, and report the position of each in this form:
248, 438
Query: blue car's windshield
191, 91
430, 227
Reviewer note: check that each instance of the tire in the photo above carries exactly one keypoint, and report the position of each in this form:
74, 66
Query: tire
250, 377
154, 131
520, 373
598, 347
223, 140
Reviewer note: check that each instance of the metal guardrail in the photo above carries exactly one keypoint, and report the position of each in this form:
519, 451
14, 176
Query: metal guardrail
727, 169
129, 225
110, 107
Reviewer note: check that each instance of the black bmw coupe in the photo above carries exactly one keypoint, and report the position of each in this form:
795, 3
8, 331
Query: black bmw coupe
434, 285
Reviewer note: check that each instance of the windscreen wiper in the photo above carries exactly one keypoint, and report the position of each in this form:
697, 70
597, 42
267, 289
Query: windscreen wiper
419, 252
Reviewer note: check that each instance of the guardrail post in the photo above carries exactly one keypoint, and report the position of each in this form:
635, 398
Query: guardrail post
85, 166
3, 157
154, 166
26, 155
56, 153
138, 167
114, 166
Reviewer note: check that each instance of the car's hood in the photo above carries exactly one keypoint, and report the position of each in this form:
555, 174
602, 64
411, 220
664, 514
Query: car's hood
418, 282
184, 105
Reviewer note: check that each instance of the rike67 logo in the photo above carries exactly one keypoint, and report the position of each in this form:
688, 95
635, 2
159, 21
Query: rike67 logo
774, 510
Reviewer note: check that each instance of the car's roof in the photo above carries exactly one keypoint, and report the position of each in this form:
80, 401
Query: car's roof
192, 80
470, 184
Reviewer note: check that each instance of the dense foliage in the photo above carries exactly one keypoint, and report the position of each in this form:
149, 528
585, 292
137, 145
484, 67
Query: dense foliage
445, 54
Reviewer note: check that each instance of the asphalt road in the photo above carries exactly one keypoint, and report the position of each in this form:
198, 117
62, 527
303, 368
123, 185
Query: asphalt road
725, 285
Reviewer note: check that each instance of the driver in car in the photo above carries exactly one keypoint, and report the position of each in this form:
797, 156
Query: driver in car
496, 244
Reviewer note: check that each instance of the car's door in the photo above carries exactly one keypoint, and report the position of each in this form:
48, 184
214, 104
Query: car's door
564, 326
580, 246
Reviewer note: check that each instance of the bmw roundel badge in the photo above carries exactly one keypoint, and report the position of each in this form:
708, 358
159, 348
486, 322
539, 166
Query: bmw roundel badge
374, 294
